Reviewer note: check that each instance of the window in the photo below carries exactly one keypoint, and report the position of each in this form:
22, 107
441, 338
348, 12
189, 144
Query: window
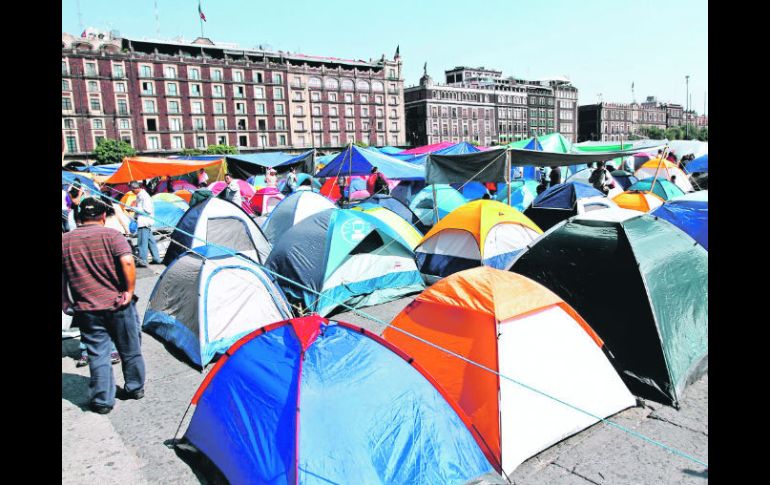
279, 109
193, 73
378, 87
262, 141
316, 111
257, 76
238, 76
277, 78
300, 125
147, 88
175, 124
122, 107
152, 124
364, 111
219, 108
333, 97
261, 109
195, 90
243, 141
177, 143
259, 93
216, 74
348, 97
334, 126
199, 123
64, 70
171, 89
120, 87
394, 113
316, 125
153, 142
145, 70
277, 93
394, 125
149, 106
349, 111
93, 87
95, 104
124, 124
296, 96
299, 111
200, 142
301, 141
90, 69
241, 124
239, 91
197, 107
362, 85
72, 143
69, 124
98, 124
315, 96
65, 85
335, 140
380, 113
169, 72
349, 125
222, 140
381, 126
261, 125
240, 108
221, 123
378, 99
280, 124
331, 83
365, 125
393, 100
218, 91
314, 82
282, 140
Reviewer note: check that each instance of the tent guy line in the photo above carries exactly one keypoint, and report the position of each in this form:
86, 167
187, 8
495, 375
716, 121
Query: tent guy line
626, 430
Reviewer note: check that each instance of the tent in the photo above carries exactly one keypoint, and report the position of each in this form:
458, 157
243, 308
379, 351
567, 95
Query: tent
427, 148
638, 201
654, 320
331, 190
388, 150
623, 178
185, 195
482, 232
664, 169
291, 210
700, 164
394, 205
243, 166
690, 213
407, 231
169, 208
523, 193
583, 175
359, 161
563, 201
142, 168
175, 185
218, 222
472, 190
346, 256
70, 178
246, 190
309, 400
514, 326
207, 299
265, 200
662, 188
406, 190
447, 200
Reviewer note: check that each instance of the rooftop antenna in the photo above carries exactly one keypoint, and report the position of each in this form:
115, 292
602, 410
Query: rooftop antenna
633, 96
80, 17
157, 20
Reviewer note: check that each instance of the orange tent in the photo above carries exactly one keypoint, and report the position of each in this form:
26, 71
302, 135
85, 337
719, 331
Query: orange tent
184, 194
142, 168
488, 316
638, 201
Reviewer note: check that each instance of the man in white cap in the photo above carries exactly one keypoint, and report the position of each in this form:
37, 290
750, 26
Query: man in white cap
271, 179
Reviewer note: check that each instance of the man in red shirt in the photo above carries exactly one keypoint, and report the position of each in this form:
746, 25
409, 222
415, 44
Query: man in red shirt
98, 269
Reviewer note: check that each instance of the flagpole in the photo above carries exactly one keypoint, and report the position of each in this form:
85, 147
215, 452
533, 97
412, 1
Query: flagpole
200, 17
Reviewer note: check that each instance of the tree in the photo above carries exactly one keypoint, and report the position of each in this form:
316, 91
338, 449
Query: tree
361, 144
221, 150
191, 151
112, 151
474, 143
652, 132
703, 133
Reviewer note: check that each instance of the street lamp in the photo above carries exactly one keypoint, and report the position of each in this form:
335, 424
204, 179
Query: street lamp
687, 103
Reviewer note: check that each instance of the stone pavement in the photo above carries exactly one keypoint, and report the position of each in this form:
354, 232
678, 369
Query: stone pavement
129, 445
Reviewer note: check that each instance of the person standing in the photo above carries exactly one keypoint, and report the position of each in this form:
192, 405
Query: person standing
145, 217
232, 190
344, 188
555, 176
600, 178
203, 178
291, 180
98, 271
271, 180
377, 184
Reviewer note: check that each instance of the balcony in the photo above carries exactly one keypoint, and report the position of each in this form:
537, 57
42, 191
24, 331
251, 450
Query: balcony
298, 86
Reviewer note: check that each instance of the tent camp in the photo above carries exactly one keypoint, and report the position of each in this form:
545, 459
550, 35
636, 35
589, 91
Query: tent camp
394, 205
690, 213
310, 400
246, 191
407, 231
447, 200
654, 316
662, 188
523, 193
359, 161
207, 299
518, 328
664, 169
638, 201
169, 208
346, 256
482, 232
584, 175
563, 201
623, 178
143, 168
291, 211
265, 200
219, 223
699, 165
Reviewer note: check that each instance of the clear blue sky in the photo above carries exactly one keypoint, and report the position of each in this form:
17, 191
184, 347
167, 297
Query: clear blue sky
601, 45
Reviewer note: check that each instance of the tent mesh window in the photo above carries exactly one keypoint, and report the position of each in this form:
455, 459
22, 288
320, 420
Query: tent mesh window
229, 232
369, 244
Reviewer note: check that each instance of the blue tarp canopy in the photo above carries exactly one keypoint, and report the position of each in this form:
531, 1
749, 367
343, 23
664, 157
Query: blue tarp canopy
390, 150
359, 161
270, 159
103, 169
700, 164
68, 178
198, 158
690, 213
564, 196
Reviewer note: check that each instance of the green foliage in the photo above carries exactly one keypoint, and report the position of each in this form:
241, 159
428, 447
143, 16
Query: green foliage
474, 143
191, 151
703, 133
652, 132
361, 144
112, 151
221, 150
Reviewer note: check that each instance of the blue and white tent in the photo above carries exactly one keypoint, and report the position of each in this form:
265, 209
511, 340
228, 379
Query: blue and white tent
447, 200
690, 213
348, 256
565, 200
359, 161
207, 299
291, 210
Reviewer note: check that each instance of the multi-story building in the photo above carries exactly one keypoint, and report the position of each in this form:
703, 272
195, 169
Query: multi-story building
479, 105
165, 96
620, 121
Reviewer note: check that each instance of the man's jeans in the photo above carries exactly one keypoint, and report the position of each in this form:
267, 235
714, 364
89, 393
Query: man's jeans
146, 238
97, 330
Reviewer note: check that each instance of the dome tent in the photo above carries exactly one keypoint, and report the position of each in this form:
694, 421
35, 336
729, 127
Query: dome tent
690, 213
344, 256
447, 200
638, 201
219, 223
207, 299
310, 400
562, 201
482, 232
291, 210
662, 188
664, 169
657, 332
395, 205
514, 326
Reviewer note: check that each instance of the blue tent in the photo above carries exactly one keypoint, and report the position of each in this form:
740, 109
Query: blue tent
472, 190
269, 159
108, 169
700, 164
348, 256
325, 159
168, 210
663, 188
359, 161
69, 178
291, 210
390, 150
447, 200
690, 213
459, 149
394, 205
558, 203
310, 400
523, 193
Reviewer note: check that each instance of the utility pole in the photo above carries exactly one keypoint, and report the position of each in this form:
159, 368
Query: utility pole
157, 20
687, 103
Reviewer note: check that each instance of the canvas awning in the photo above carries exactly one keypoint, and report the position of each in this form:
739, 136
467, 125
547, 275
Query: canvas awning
243, 166
142, 168
359, 161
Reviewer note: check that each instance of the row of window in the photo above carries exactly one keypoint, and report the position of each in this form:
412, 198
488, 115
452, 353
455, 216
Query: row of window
541, 100
447, 112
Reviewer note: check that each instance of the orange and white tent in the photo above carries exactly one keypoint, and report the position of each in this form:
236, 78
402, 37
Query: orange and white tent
142, 168
638, 201
664, 169
518, 328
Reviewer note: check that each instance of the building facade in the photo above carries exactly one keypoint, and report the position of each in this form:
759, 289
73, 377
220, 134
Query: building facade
479, 105
621, 121
163, 97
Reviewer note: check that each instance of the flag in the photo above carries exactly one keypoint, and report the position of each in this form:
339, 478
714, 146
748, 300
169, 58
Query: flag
632, 85
200, 11
83, 34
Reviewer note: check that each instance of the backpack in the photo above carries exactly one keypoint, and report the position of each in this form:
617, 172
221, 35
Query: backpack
380, 186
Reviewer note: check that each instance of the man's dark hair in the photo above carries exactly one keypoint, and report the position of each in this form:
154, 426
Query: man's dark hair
91, 209
228, 174
374, 170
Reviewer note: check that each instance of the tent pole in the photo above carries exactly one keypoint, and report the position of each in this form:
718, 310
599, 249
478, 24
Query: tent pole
508, 172
657, 169
435, 202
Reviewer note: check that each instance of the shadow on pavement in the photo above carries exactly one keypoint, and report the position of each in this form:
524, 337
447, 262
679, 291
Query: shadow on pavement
203, 468
702, 474
74, 388
69, 348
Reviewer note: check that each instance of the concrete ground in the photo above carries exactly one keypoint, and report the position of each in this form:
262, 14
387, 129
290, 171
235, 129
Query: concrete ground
129, 445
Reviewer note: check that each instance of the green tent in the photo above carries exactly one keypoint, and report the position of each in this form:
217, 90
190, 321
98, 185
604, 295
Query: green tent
641, 284
663, 188
555, 143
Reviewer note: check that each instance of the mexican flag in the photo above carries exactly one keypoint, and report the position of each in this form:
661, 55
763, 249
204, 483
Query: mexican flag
200, 11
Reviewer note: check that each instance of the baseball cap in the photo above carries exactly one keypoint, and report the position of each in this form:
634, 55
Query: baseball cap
135, 185
91, 207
